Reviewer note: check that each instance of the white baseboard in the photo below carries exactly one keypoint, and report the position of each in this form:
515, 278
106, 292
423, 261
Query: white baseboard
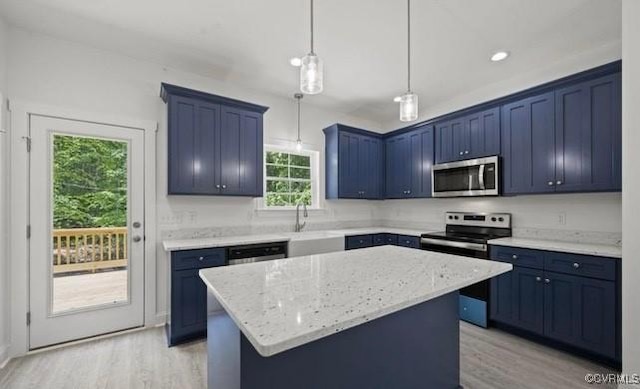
161, 319
4, 356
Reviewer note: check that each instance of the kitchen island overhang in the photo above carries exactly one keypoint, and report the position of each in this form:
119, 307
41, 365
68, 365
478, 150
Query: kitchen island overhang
377, 317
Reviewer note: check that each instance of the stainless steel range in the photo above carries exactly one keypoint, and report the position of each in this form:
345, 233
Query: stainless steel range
467, 234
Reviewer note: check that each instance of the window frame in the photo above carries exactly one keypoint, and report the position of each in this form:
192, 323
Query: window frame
313, 177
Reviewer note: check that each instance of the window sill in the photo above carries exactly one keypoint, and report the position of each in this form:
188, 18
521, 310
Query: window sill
275, 211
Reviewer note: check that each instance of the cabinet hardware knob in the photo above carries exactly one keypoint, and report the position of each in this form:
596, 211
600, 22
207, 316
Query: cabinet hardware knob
218, 186
362, 241
546, 280
200, 259
464, 309
550, 183
224, 186
137, 238
466, 152
514, 256
462, 152
558, 182
538, 279
136, 224
576, 265
408, 192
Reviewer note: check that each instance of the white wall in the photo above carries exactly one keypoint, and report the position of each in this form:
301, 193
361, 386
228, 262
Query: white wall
631, 186
4, 262
61, 73
589, 212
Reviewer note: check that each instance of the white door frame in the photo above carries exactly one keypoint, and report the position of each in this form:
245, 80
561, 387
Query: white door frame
18, 169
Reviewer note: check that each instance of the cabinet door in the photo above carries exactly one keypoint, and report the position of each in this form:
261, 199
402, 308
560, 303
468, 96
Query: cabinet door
370, 167
581, 312
528, 299
188, 305
240, 152
461, 130
444, 143
398, 162
193, 145
421, 161
484, 133
502, 298
349, 164
528, 145
588, 136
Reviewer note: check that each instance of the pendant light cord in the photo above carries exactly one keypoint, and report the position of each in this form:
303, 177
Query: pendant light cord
298, 98
312, 27
408, 45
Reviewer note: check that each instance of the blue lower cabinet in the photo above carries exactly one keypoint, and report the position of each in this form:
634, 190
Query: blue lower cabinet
409, 241
358, 242
473, 310
581, 312
188, 317
571, 299
385, 239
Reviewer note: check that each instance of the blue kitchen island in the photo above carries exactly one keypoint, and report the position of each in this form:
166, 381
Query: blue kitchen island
380, 317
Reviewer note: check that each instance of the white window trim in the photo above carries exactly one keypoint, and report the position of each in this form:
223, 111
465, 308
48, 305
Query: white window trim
315, 178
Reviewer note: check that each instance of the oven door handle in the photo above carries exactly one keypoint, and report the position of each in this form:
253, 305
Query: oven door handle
481, 177
451, 243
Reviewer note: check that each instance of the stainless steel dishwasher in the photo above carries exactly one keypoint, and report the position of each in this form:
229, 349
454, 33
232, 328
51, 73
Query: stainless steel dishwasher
257, 252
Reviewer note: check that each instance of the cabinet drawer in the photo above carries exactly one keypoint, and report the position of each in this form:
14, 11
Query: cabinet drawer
409, 241
580, 265
359, 241
196, 259
520, 257
473, 310
385, 239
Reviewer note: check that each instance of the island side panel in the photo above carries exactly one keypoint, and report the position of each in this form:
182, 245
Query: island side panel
418, 347
223, 347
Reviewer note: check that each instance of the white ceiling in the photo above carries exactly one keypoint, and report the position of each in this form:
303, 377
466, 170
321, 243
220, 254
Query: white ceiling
363, 43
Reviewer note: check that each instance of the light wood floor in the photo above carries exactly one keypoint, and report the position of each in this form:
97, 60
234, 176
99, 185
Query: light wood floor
490, 359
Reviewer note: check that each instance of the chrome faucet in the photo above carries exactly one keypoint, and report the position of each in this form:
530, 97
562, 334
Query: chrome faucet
305, 214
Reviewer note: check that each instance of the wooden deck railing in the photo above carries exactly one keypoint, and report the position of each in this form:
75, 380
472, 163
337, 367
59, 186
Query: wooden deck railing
89, 249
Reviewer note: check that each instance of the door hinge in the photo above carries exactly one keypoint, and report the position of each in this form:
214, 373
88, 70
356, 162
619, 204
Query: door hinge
28, 139
29, 231
28, 318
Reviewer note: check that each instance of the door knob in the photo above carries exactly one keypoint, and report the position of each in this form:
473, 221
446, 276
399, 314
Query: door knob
136, 224
137, 238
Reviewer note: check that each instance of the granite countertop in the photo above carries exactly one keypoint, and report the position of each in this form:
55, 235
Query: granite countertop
282, 304
601, 250
226, 241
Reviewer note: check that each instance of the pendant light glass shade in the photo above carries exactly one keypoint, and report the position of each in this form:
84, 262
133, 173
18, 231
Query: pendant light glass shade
311, 74
408, 107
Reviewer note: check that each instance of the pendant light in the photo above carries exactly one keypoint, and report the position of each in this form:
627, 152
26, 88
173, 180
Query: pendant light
298, 96
409, 100
311, 69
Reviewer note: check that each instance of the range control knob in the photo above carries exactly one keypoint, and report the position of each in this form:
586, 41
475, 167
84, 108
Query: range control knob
455, 217
493, 219
450, 217
500, 219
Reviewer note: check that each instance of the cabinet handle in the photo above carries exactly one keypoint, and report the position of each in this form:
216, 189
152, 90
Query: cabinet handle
514, 256
546, 280
576, 265
538, 279
550, 183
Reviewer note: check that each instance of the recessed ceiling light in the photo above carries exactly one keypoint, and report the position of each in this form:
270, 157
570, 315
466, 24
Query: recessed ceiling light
499, 56
295, 61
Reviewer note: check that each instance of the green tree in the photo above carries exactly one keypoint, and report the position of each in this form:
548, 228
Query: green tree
90, 182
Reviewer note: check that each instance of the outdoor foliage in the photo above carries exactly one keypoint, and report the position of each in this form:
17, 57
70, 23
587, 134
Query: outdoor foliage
90, 182
288, 179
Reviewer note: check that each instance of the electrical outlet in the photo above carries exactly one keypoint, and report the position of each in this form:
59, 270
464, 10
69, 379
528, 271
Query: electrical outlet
562, 218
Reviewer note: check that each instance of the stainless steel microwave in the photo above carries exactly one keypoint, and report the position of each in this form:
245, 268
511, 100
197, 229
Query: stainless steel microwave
473, 177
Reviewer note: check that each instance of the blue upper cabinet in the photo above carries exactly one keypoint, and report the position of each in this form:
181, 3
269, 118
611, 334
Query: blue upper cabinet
354, 164
409, 158
567, 140
215, 144
528, 145
470, 136
589, 136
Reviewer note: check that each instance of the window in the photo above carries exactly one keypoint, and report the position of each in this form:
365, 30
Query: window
289, 179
